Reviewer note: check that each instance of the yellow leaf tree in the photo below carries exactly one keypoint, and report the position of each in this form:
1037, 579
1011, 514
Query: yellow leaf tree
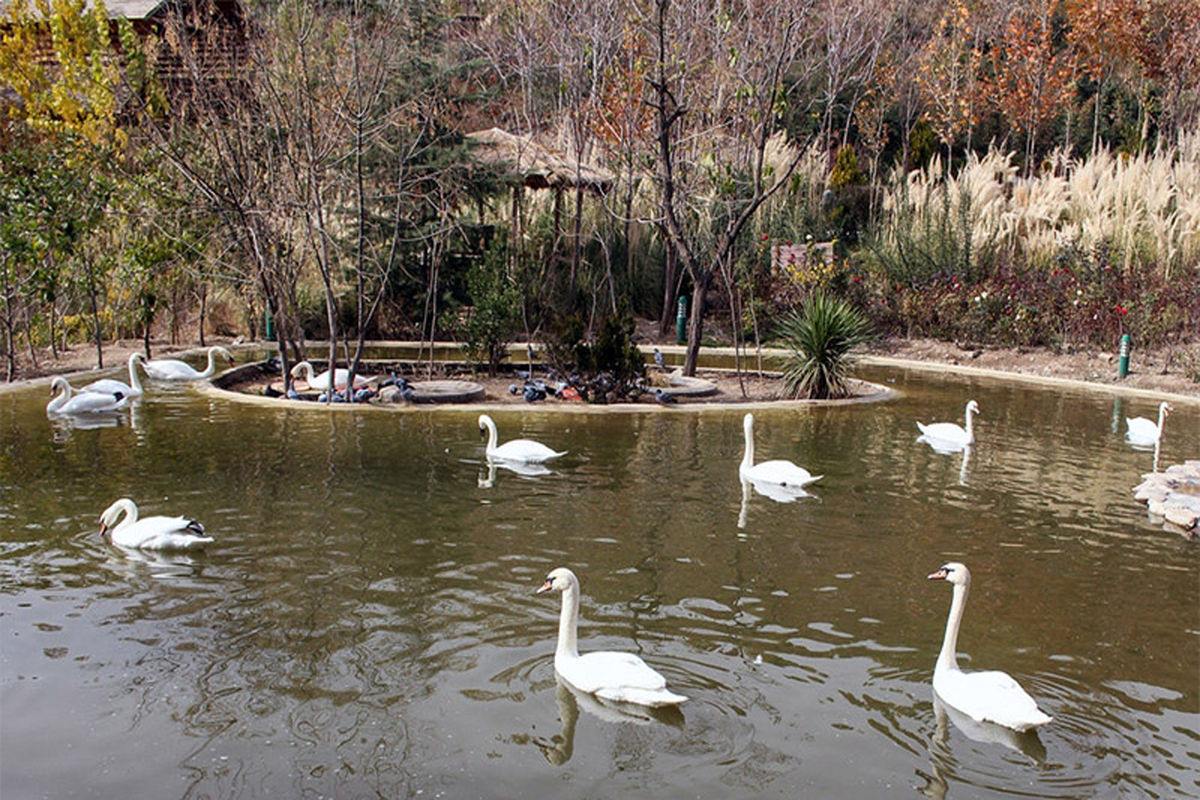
59, 58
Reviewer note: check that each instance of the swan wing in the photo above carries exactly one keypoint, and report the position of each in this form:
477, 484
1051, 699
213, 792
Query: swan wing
1140, 428
619, 677
781, 472
944, 431
169, 369
162, 533
990, 697
92, 403
525, 450
109, 386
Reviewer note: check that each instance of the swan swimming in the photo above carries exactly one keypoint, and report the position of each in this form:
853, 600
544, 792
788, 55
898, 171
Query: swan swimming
132, 390
778, 471
68, 402
613, 676
150, 533
526, 450
985, 696
950, 433
1144, 431
172, 369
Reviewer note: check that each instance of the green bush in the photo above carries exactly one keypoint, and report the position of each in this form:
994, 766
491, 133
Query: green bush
822, 336
497, 303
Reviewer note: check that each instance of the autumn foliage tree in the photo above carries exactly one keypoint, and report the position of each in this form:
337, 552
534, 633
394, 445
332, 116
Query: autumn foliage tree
948, 71
1029, 81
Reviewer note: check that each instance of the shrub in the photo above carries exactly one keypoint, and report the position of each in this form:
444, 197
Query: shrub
822, 337
497, 301
609, 368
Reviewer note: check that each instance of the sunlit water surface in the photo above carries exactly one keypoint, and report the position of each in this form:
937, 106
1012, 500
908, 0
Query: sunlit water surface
366, 624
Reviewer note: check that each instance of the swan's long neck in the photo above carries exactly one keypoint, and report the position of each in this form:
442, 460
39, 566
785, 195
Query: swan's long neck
946, 658
1162, 415
211, 365
62, 397
748, 457
491, 445
127, 514
970, 424
568, 623
134, 381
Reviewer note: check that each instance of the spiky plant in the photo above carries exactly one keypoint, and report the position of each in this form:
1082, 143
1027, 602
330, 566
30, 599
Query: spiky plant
822, 336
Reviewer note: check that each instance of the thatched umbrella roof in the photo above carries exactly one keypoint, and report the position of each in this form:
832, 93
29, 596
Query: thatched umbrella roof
538, 167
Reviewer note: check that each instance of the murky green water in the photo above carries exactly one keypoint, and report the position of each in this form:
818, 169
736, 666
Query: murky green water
366, 625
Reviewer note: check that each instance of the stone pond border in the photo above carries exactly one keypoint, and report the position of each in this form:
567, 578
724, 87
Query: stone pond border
518, 352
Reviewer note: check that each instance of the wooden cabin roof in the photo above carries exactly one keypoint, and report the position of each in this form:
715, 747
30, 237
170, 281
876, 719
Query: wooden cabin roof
538, 166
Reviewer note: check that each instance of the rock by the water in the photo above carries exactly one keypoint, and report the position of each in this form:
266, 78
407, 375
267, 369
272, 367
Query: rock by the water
1174, 495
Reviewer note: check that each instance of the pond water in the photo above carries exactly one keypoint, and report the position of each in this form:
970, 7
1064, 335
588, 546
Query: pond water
366, 624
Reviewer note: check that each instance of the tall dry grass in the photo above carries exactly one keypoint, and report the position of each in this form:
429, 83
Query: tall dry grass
1143, 210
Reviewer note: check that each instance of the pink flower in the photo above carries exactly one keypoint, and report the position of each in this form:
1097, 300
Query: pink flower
1122, 310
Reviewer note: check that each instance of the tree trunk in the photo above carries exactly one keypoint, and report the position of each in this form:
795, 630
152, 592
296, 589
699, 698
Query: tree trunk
670, 270
10, 350
576, 244
91, 281
700, 284
203, 311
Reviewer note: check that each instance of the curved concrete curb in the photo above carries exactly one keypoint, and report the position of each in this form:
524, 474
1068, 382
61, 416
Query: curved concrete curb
457, 398
683, 386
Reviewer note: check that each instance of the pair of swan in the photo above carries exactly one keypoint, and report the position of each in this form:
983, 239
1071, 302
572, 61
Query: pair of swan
516, 450
984, 696
1140, 430
610, 676
68, 402
172, 369
624, 678
121, 525
949, 437
320, 381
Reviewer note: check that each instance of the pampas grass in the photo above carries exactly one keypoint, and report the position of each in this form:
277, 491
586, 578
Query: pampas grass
1143, 209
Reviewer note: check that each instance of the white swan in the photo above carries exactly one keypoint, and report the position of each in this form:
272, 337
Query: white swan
779, 472
151, 533
1144, 431
617, 677
109, 385
68, 402
984, 696
320, 382
525, 450
172, 369
949, 432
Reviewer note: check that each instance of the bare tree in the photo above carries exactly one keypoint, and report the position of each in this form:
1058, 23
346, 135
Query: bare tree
720, 79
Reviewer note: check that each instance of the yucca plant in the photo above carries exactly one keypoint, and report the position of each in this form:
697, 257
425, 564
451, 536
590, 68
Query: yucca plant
822, 336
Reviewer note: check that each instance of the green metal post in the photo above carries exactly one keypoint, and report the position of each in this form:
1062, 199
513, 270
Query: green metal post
681, 321
270, 324
1123, 356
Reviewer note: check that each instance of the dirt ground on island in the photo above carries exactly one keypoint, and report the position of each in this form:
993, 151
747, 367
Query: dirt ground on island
1170, 369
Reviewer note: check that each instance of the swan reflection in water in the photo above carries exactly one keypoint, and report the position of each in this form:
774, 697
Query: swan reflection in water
942, 761
946, 448
775, 491
64, 424
559, 748
522, 468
